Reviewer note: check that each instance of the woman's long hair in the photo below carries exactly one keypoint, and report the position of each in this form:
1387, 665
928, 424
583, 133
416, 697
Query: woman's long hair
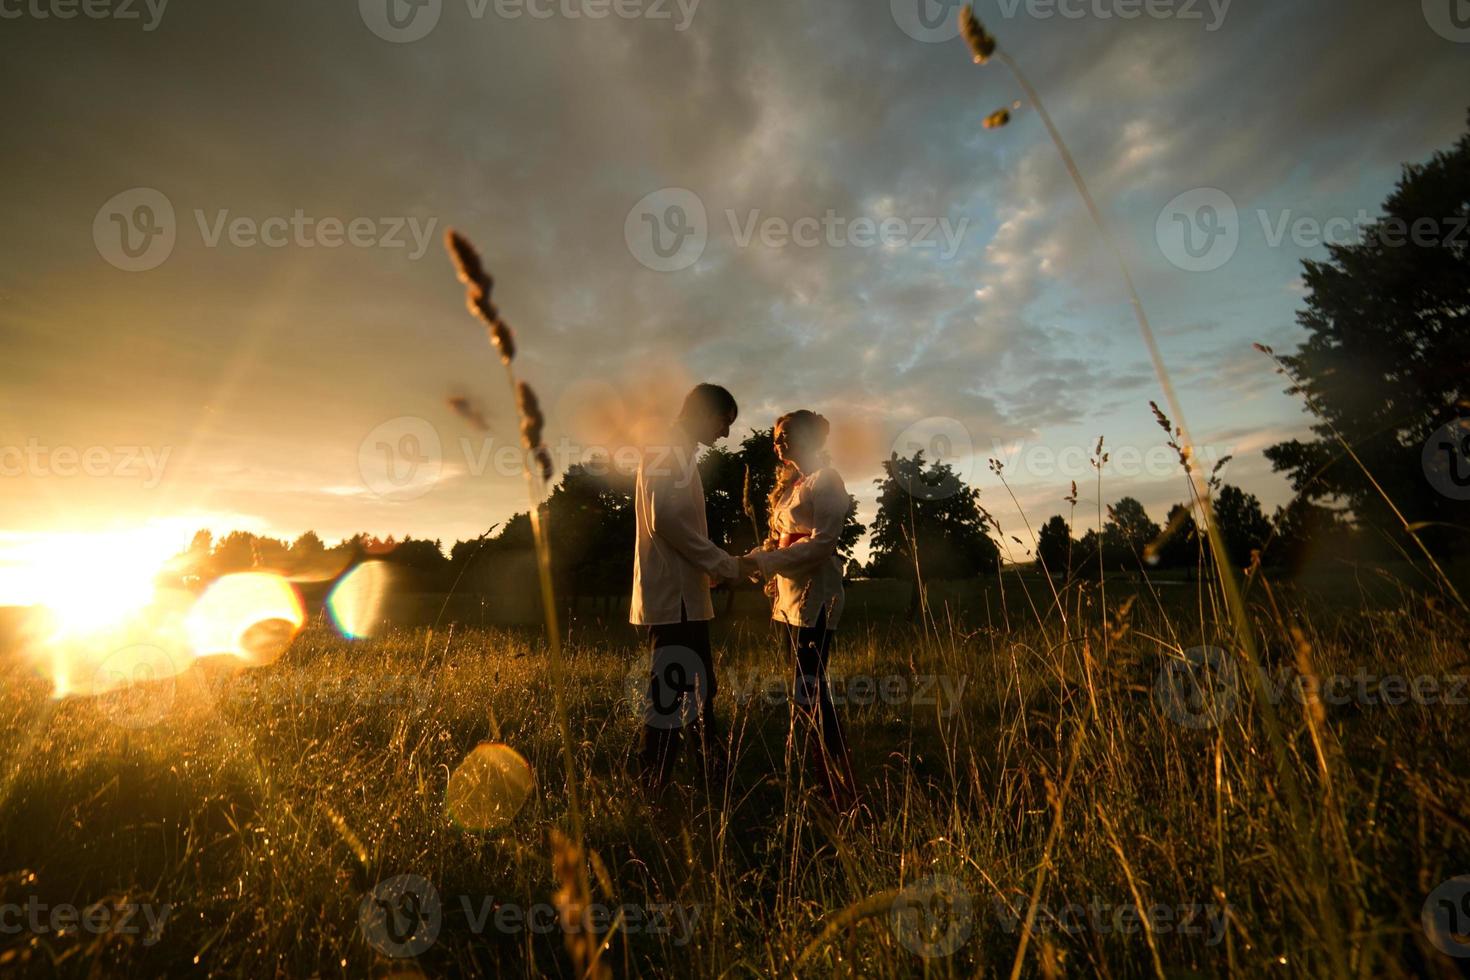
810, 430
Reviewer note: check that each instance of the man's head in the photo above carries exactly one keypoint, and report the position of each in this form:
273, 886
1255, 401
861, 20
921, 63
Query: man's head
708, 413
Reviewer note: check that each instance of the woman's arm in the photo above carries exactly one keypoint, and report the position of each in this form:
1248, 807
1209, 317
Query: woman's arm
830, 505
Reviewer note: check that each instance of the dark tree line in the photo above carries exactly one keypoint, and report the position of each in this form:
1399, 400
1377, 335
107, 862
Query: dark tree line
1131, 541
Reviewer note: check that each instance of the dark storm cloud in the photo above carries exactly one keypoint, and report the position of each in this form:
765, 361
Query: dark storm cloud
537, 137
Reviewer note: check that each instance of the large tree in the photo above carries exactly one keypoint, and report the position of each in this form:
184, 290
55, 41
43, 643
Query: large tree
1128, 533
1385, 362
1180, 543
1054, 547
926, 510
1243, 526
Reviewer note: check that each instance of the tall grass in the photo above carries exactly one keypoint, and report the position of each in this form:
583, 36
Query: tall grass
264, 809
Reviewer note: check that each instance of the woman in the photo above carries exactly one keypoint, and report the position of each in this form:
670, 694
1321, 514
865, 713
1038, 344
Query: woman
803, 572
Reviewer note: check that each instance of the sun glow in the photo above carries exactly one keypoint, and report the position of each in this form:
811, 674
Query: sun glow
100, 598
88, 582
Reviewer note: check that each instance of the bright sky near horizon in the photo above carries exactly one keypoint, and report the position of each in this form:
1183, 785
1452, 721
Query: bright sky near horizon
226, 303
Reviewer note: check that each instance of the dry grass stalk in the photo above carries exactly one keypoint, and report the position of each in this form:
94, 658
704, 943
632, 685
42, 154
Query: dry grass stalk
478, 283
573, 900
982, 46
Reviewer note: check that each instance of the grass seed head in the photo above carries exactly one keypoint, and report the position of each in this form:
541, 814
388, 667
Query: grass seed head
542, 458
467, 264
982, 44
532, 421
479, 305
504, 340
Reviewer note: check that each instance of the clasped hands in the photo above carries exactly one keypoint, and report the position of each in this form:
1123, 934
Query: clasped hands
749, 570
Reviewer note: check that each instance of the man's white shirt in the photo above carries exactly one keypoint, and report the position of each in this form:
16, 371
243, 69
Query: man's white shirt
673, 559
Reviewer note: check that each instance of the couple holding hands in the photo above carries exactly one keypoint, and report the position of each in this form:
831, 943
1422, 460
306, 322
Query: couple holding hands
674, 562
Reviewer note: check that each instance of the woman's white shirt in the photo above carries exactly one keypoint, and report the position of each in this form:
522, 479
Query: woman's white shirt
808, 573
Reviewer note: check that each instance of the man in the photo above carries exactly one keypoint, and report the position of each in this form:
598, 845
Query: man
674, 562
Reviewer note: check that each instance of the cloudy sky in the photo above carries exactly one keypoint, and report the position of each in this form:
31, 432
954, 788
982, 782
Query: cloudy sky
224, 302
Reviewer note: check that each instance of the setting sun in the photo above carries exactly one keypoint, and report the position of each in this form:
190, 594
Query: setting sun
88, 582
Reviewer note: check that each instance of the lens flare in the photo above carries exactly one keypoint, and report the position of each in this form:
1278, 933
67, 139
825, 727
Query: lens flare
489, 788
356, 602
250, 615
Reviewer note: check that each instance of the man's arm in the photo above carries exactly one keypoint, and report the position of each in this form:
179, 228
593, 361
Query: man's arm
673, 521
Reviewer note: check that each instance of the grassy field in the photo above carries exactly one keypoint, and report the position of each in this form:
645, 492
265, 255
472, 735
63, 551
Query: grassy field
1035, 790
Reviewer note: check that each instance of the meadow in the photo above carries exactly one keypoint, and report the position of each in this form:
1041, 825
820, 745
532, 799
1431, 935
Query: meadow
1054, 783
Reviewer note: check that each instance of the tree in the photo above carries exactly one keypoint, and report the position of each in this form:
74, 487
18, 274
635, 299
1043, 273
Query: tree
592, 535
1303, 529
1242, 524
723, 475
1181, 541
928, 511
1384, 364
1054, 547
1127, 534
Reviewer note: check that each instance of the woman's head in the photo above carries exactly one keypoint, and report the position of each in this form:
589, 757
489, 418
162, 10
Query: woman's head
799, 438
